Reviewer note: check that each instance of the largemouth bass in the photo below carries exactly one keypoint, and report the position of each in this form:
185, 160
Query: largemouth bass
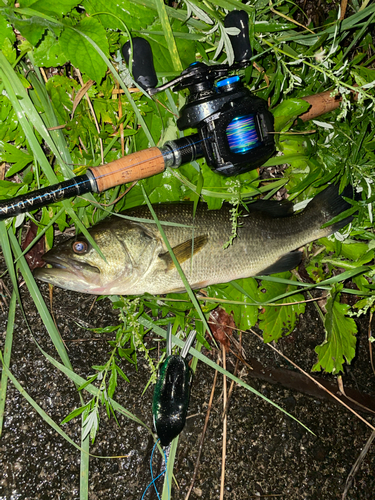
137, 260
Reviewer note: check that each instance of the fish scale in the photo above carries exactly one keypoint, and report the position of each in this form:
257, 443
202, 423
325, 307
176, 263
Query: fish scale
137, 260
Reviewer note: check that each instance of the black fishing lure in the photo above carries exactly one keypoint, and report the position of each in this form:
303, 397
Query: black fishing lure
172, 392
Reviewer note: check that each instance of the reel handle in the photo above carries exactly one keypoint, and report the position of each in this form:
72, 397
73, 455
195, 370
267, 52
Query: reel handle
241, 42
142, 63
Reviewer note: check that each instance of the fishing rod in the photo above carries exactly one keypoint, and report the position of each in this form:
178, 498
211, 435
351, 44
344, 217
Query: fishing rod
235, 128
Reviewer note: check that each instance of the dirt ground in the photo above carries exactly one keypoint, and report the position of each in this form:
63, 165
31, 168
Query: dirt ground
268, 454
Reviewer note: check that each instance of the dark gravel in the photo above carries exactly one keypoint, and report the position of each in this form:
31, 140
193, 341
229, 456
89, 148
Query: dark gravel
268, 454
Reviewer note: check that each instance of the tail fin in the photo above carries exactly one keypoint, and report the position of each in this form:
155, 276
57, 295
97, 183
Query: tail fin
329, 204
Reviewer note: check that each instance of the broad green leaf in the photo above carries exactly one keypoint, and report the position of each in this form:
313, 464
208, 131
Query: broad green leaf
245, 316
10, 131
135, 16
6, 31
316, 270
286, 113
60, 89
58, 8
11, 154
340, 341
297, 145
49, 53
366, 257
278, 321
8, 188
9, 51
351, 249
80, 52
32, 28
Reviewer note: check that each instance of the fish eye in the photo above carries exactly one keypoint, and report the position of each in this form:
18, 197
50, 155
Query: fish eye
80, 247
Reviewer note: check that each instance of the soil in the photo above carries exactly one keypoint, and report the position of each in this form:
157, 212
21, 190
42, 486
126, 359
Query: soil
268, 454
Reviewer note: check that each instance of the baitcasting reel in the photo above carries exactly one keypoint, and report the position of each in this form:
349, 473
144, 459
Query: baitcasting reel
234, 126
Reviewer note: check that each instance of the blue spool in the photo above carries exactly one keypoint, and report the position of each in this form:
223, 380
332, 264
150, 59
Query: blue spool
227, 81
242, 134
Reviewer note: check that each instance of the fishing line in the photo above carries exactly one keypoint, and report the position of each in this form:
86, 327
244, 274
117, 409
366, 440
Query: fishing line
242, 134
153, 480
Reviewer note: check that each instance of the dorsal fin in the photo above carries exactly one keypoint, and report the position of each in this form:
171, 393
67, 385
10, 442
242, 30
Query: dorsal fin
273, 208
184, 251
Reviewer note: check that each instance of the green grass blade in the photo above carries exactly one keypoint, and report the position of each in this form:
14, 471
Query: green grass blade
227, 195
64, 161
213, 365
329, 281
50, 118
45, 416
9, 79
177, 264
168, 477
84, 466
358, 36
6, 357
12, 83
167, 30
91, 389
38, 300
8, 257
35, 405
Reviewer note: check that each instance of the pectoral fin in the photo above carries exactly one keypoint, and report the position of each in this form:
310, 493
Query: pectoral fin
285, 263
184, 251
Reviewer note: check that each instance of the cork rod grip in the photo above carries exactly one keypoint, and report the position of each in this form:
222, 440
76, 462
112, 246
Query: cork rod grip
322, 103
130, 168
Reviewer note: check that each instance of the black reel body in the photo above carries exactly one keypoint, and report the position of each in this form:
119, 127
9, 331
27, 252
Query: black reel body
234, 126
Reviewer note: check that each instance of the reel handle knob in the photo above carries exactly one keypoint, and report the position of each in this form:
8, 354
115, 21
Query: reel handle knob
142, 64
241, 42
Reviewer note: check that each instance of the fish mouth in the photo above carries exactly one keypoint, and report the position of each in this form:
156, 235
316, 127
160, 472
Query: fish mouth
68, 273
68, 264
